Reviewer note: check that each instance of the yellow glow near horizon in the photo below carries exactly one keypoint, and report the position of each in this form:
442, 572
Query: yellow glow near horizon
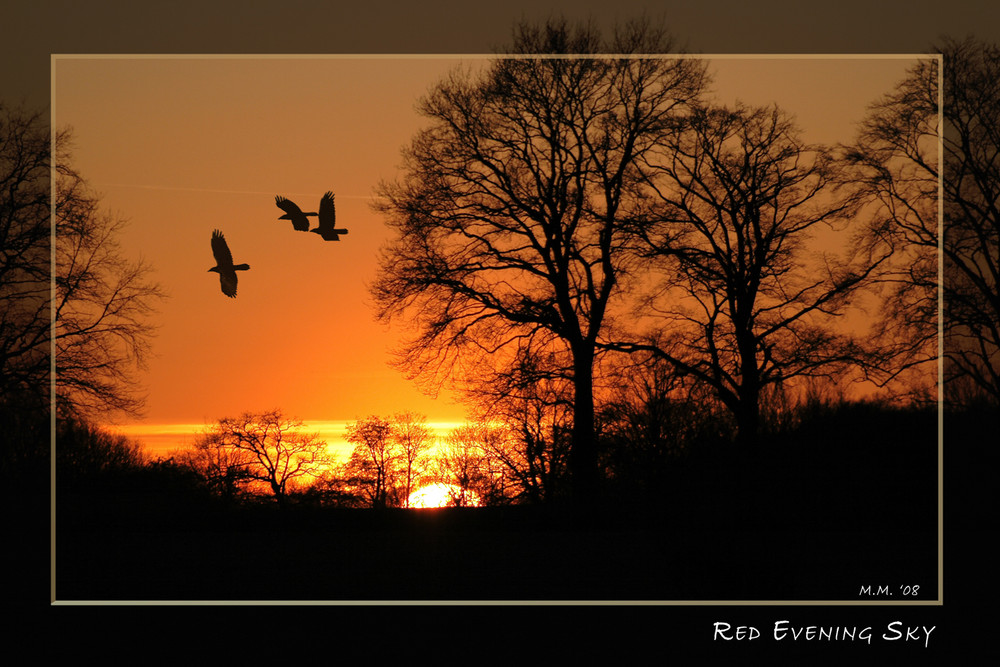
160, 439
440, 494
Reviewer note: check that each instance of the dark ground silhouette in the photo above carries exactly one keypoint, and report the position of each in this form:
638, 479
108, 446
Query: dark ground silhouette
815, 519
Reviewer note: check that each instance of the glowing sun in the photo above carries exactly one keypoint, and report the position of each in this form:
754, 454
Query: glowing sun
440, 494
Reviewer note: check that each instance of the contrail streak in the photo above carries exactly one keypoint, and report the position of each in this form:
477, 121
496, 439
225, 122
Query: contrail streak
228, 192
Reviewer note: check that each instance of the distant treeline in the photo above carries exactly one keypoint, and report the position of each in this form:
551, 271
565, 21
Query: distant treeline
650, 450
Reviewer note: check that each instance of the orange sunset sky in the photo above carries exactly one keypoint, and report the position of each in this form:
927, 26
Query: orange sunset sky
183, 145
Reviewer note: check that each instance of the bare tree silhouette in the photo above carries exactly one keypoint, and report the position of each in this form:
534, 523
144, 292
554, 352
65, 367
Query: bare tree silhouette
972, 213
897, 151
101, 299
896, 156
374, 465
741, 304
463, 463
300, 221
224, 264
532, 400
327, 228
509, 216
264, 447
86, 450
224, 470
503, 462
25, 324
414, 439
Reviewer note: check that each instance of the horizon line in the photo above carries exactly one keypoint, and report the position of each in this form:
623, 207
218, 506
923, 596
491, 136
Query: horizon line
183, 427
483, 55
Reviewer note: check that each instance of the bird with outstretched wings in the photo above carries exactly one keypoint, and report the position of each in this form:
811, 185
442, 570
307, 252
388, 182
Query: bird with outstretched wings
328, 220
224, 264
300, 220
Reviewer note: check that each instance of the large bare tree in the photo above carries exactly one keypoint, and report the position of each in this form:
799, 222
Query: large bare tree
508, 218
748, 293
972, 213
898, 150
897, 159
25, 257
103, 305
102, 300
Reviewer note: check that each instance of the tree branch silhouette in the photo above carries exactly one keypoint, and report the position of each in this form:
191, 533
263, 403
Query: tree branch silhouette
508, 219
742, 300
101, 302
898, 151
265, 447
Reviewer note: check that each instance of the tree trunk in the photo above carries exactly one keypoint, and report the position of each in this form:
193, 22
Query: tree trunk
583, 451
748, 418
748, 392
279, 493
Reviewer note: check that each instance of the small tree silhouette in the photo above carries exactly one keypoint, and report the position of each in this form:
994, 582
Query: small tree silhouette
375, 462
264, 447
413, 438
471, 462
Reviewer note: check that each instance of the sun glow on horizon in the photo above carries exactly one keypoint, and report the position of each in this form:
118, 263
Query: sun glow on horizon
441, 494
162, 437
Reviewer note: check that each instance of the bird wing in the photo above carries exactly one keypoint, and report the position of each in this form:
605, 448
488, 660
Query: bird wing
293, 213
287, 205
223, 258
327, 212
227, 281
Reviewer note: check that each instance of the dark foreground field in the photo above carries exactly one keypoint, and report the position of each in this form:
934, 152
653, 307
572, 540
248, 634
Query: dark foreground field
490, 555
782, 527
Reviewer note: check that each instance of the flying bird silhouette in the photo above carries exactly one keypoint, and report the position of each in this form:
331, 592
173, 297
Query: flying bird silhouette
292, 212
328, 220
224, 264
